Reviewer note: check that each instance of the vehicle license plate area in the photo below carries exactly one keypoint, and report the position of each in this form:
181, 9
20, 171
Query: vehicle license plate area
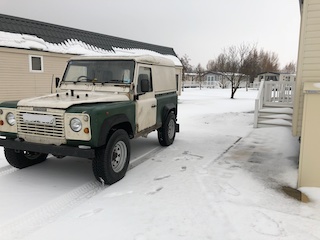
39, 119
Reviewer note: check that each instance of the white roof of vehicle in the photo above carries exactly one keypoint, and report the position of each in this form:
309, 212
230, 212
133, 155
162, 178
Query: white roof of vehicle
147, 59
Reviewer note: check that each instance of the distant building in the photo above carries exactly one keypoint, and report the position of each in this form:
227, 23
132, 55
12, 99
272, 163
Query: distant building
190, 80
210, 79
214, 80
287, 77
273, 76
33, 53
268, 76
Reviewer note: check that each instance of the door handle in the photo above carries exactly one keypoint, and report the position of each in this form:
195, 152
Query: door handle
153, 106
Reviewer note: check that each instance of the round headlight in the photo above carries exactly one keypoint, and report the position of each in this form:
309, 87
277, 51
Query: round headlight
11, 119
75, 124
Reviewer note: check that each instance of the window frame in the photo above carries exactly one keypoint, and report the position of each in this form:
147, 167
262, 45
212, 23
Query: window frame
31, 65
150, 78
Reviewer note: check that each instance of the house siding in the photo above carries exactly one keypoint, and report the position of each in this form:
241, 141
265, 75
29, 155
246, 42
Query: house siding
17, 81
308, 57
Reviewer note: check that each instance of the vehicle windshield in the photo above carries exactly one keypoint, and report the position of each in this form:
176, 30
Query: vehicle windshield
100, 71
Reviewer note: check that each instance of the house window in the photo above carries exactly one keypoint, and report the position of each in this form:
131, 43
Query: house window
35, 63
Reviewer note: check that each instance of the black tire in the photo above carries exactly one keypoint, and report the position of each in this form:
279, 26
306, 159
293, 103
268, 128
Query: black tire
111, 162
167, 132
22, 159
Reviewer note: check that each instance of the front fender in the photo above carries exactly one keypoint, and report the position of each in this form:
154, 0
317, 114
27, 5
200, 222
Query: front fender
167, 109
120, 120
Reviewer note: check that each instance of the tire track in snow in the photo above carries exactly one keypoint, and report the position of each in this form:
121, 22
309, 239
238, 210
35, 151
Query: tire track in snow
135, 162
37, 218
213, 186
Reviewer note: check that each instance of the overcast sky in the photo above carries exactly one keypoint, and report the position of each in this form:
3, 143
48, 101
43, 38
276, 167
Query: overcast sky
197, 28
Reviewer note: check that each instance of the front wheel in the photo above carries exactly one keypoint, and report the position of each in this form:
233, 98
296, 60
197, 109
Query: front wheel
111, 162
22, 159
167, 132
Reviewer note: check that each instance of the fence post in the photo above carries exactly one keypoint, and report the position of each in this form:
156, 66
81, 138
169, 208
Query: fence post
258, 104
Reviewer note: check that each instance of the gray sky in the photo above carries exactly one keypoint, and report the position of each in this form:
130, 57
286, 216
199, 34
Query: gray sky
198, 28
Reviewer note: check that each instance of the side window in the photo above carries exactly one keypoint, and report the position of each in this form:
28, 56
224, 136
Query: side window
35, 63
144, 75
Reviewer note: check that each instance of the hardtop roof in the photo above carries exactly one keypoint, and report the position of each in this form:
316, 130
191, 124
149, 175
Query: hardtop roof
147, 59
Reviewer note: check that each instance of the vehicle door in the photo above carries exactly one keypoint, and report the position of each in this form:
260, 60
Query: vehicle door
146, 103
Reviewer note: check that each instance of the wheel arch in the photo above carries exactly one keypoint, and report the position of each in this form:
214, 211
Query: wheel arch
170, 107
111, 124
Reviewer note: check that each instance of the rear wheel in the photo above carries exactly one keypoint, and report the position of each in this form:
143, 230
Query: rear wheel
111, 162
22, 159
167, 132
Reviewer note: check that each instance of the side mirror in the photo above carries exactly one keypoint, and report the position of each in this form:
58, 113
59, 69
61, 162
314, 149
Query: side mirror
145, 85
57, 82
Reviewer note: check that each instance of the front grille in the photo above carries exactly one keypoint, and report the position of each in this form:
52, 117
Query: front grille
40, 128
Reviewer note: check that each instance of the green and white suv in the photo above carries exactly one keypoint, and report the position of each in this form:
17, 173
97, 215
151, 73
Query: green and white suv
101, 103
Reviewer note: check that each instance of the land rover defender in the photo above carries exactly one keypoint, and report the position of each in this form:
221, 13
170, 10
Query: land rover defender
100, 104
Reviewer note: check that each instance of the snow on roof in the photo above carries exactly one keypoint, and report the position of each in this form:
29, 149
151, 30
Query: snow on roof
72, 46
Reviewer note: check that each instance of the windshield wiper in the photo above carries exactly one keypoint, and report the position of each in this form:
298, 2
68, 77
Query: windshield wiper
85, 79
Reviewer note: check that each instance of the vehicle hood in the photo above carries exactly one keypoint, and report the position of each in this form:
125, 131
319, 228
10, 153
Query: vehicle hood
65, 99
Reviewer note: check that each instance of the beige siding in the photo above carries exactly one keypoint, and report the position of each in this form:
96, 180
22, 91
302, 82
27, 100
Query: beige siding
309, 57
18, 82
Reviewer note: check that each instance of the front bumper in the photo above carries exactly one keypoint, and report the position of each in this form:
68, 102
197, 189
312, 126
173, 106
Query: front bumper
45, 148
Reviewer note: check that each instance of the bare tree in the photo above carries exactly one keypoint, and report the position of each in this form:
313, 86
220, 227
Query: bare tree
223, 81
268, 61
200, 71
233, 65
289, 68
186, 67
215, 66
254, 61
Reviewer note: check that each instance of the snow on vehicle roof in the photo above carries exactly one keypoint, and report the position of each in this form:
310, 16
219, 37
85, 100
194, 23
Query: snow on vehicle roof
144, 58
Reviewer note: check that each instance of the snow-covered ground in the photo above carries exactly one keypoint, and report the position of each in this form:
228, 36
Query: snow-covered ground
221, 179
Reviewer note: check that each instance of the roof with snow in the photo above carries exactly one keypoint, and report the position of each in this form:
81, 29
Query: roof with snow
57, 34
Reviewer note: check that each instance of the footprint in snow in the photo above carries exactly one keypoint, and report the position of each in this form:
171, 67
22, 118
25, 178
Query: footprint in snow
155, 191
139, 236
194, 156
227, 188
202, 170
161, 177
265, 225
184, 158
91, 213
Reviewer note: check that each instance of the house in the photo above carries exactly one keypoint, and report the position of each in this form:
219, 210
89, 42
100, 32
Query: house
294, 100
268, 76
207, 79
287, 77
273, 76
190, 80
210, 79
214, 80
306, 114
33, 54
